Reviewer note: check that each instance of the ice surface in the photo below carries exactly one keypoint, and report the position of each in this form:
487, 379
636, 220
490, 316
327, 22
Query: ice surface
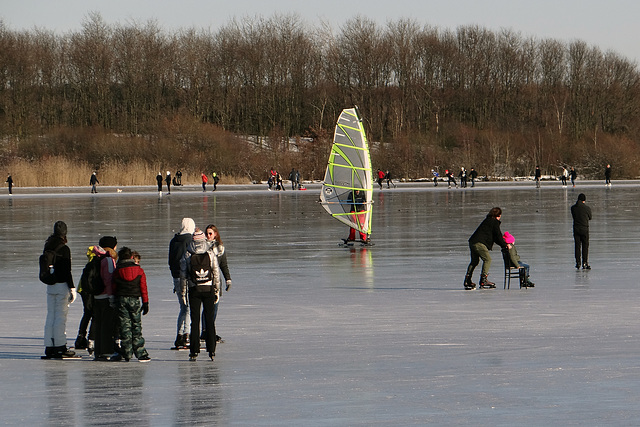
322, 335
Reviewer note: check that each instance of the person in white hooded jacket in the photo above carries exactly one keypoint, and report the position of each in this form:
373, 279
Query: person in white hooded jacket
199, 268
177, 249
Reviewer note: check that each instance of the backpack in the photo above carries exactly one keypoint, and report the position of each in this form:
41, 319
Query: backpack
200, 270
47, 263
91, 282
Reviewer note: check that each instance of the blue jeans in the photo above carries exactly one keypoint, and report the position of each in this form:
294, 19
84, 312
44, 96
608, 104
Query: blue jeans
526, 268
183, 325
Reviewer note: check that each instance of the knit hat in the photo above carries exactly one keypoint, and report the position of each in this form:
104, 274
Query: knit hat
60, 229
198, 235
108, 242
508, 238
188, 226
582, 197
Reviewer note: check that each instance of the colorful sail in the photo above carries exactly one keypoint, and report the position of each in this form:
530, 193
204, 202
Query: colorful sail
348, 170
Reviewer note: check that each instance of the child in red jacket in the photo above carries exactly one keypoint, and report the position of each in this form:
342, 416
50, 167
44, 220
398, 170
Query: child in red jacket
129, 286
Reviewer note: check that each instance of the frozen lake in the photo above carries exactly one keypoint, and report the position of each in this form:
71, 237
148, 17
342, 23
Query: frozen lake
316, 334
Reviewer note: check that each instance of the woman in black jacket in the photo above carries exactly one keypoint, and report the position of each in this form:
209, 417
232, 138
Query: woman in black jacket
480, 243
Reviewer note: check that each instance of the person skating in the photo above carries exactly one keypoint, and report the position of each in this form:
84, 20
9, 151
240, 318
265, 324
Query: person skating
204, 181
473, 174
59, 295
387, 176
167, 180
199, 267
380, 178
436, 175
450, 178
480, 243
463, 177
177, 249
573, 175
292, 178
9, 182
129, 287
93, 181
159, 181
564, 176
538, 174
607, 175
515, 259
216, 179
581, 214
179, 177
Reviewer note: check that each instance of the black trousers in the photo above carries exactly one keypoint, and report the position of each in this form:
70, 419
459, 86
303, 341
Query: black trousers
581, 241
207, 300
104, 324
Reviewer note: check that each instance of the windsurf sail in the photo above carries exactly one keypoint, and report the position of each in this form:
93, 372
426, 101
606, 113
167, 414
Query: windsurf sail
347, 182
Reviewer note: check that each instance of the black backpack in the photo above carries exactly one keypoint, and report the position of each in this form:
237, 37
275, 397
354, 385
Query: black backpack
200, 270
47, 266
91, 282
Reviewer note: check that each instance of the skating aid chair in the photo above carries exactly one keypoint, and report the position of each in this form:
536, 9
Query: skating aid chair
511, 270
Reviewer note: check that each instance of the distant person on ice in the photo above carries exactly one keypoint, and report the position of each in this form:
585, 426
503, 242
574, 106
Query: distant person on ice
473, 174
93, 181
59, 295
607, 175
204, 181
436, 175
9, 182
581, 214
380, 178
573, 175
538, 174
480, 243
167, 180
387, 176
216, 179
515, 259
159, 181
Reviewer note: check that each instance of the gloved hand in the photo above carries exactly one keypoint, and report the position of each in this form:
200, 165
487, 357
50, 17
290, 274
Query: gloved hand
228, 285
145, 308
72, 295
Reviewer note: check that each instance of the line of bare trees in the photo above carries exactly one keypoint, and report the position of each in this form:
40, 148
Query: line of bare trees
497, 101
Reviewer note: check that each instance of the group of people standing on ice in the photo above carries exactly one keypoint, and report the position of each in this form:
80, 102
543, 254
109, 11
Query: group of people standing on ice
114, 293
113, 298
196, 259
488, 232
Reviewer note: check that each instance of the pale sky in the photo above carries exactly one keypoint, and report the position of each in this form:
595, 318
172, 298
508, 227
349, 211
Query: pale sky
611, 25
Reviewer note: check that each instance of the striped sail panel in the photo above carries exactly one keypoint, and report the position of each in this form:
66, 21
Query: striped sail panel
349, 169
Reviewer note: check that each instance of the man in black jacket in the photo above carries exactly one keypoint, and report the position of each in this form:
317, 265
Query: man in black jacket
177, 249
480, 243
581, 214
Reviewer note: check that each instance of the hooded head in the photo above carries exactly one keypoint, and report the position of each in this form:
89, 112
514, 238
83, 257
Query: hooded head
108, 242
582, 197
60, 229
508, 238
188, 226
